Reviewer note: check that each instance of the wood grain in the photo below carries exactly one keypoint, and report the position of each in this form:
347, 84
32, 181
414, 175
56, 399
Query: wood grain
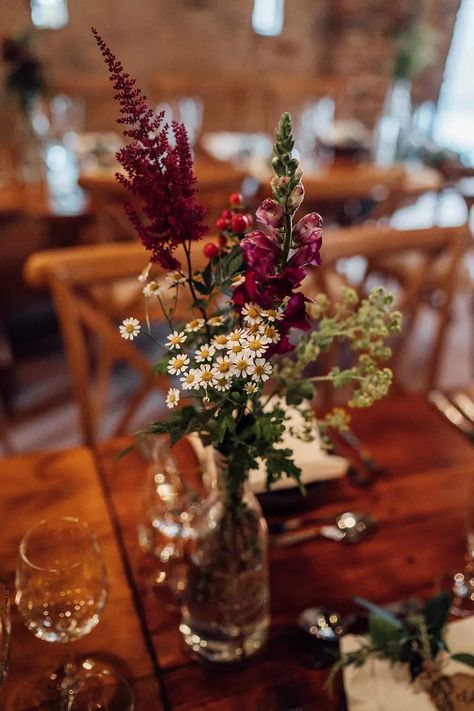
49, 485
420, 504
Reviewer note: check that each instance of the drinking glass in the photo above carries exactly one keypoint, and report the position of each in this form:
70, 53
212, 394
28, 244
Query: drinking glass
170, 498
5, 631
462, 582
61, 592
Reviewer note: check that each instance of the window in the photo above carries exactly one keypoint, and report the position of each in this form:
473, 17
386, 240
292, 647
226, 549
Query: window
455, 114
268, 17
49, 14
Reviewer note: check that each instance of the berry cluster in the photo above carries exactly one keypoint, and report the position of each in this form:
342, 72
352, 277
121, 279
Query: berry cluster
232, 223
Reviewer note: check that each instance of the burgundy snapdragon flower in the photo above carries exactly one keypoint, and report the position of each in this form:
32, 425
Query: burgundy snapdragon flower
158, 172
262, 252
270, 213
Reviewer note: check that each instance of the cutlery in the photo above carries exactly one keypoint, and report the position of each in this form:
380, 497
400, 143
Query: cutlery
465, 404
349, 527
321, 624
351, 439
297, 522
451, 413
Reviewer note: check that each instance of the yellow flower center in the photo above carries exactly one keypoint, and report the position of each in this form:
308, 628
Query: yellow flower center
260, 369
270, 331
206, 375
224, 367
130, 328
271, 313
190, 378
252, 312
236, 348
242, 365
178, 363
255, 345
222, 339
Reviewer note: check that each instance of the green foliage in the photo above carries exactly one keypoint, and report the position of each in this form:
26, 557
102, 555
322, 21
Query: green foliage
415, 638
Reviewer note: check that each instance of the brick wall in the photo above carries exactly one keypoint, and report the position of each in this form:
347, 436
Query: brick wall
209, 37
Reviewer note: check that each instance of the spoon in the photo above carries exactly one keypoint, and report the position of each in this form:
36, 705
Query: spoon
324, 629
348, 527
321, 624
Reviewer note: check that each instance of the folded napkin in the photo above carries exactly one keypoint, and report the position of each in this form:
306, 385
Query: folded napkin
315, 464
380, 686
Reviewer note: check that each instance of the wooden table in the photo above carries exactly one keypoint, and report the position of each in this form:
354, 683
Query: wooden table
420, 503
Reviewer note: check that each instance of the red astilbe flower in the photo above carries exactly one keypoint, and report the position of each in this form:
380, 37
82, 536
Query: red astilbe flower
158, 172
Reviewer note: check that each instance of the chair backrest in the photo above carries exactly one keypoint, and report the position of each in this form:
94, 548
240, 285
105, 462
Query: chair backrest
94, 288
215, 182
421, 265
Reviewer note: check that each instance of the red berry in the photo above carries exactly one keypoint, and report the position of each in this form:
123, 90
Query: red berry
222, 223
239, 223
211, 250
236, 200
226, 214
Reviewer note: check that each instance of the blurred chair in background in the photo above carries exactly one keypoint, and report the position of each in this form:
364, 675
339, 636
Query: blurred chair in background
94, 288
431, 260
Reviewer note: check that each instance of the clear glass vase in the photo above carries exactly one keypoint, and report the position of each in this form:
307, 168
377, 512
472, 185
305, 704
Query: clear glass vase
225, 609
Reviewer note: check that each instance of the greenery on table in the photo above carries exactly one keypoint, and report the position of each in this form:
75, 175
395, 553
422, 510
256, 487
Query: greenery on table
415, 639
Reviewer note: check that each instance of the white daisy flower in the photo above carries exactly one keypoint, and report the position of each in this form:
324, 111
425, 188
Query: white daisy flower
205, 376
215, 321
272, 315
271, 333
189, 380
175, 278
204, 353
152, 289
175, 339
194, 325
235, 336
222, 366
143, 277
172, 397
260, 370
220, 341
241, 364
235, 349
130, 328
251, 313
254, 328
222, 383
178, 364
250, 388
257, 345
238, 280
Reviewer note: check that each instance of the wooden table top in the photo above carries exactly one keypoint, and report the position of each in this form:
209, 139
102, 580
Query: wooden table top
420, 503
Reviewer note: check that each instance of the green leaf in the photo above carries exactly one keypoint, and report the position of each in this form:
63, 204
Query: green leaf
199, 286
378, 611
123, 452
437, 611
464, 658
207, 275
384, 634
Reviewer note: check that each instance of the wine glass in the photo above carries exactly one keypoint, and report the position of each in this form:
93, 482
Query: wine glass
61, 592
5, 631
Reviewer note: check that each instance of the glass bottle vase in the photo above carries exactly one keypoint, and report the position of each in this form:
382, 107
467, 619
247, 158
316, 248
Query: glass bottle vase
225, 608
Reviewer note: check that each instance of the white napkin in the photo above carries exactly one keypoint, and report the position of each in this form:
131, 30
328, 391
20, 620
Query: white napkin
380, 686
315, 464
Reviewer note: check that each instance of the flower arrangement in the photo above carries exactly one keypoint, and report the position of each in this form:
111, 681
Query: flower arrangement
254, 332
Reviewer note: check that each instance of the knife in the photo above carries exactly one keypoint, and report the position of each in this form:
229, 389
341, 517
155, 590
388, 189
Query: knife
364, 455
451, 413
465, 404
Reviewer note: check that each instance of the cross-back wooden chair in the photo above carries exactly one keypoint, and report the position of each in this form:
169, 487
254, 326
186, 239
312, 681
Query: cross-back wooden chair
94, 287
422, 265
